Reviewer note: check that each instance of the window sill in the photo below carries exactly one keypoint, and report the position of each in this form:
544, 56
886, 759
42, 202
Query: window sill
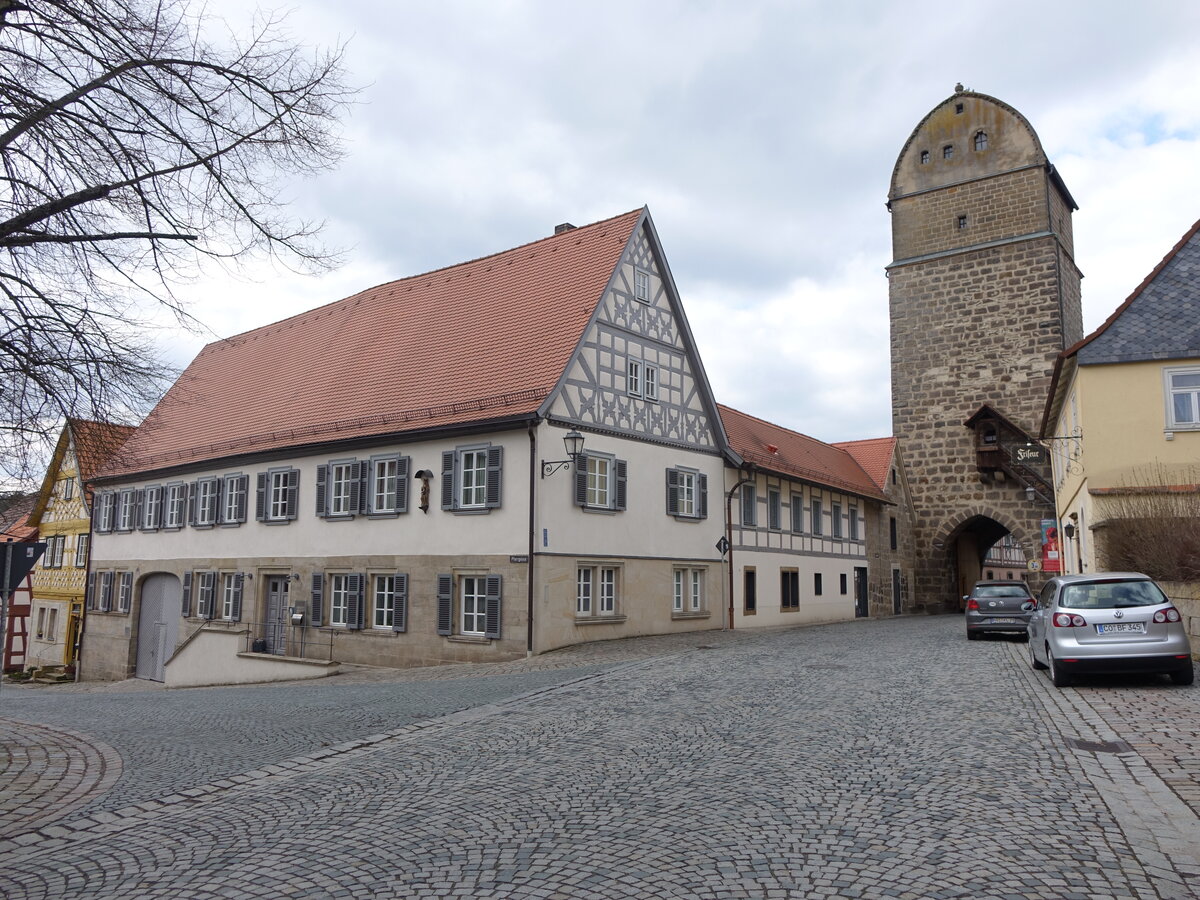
698, 614
468, 639
600, 620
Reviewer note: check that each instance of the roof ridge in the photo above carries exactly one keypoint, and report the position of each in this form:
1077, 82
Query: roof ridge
774, 424
279, 323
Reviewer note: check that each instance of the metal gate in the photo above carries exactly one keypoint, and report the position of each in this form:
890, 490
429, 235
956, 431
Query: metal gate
275, 631
860, 592
158, 624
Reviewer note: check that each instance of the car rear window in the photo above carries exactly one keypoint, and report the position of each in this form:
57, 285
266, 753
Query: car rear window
1111, 595
1000, 590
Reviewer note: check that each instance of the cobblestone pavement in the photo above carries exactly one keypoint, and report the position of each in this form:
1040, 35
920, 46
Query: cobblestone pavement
873, 759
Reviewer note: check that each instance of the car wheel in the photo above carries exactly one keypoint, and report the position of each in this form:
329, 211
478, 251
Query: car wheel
1033, 660
1184, 676
1057, 675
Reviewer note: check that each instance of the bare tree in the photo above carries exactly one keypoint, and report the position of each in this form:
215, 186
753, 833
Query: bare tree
134, 148
1151, 524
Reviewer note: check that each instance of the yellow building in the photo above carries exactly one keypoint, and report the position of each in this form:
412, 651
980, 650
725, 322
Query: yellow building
62, 515
1123, 423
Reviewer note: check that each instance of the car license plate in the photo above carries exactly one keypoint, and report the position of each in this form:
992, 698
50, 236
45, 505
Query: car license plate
1002, 622
1122, 628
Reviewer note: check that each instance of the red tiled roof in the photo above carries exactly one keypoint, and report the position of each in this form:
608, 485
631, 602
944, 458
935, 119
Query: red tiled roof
796, 454
874, 455
96, 443
481, 340
14, 521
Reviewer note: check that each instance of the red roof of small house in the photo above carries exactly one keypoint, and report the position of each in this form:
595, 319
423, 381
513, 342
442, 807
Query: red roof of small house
485, 340
874, 455
14, 521
787, 452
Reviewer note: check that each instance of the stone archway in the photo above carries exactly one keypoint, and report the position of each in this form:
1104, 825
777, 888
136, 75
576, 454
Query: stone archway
964, 540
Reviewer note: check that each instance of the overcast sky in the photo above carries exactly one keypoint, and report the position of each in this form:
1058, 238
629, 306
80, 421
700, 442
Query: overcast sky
761, 135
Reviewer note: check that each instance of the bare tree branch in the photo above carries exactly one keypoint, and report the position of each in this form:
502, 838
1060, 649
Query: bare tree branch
133, 147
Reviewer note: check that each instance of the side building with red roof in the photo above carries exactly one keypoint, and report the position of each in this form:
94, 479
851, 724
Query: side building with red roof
808, 526
384, 480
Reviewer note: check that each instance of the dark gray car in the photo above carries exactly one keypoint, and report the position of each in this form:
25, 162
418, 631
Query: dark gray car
1000, 607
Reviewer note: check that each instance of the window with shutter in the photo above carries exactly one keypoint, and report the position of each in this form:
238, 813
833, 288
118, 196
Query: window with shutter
106, 591
383, 601
206, 606
317, 596
150, 518
126, 503
445, 604
81, 550
354, 601
125, 596
89, 591
339, 489
234, 500
687, 494
400, 603
105, 504
387, 485
339, 600
471, 478
277, 496
493, 606
175, 506
187, 594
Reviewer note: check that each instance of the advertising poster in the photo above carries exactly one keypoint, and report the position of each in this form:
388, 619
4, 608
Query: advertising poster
1051, 556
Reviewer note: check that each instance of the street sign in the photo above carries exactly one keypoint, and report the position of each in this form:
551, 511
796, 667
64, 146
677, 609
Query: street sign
723, 545
1034, 565
1031, 454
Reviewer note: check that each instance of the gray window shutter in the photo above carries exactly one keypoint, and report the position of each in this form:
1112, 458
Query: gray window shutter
445, 604
492, 607
400, 603
581, 480
293, 493
89, 594
354, 602
187, 594
495, 459
448, 499
191, 503
672, 492
403, 470
243, 487
356, 492
236, 612
315, 613
138, 505
207, 594
702, 495
622, 469
322, 487
98, 507
363, 503
260, 498
106, 591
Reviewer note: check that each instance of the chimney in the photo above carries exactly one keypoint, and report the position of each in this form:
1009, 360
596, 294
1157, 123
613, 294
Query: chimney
565, 226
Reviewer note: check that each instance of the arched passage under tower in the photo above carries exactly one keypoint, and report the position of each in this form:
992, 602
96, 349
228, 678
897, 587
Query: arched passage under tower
963, 547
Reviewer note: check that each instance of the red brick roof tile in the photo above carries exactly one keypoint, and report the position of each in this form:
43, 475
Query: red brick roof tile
874, 455
787, 452
481, 340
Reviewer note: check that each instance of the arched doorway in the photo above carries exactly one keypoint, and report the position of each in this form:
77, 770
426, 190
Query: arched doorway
161, 606
967, 545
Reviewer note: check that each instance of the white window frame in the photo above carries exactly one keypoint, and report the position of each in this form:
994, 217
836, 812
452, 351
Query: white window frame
1191, 392
633, 377
340, 488
472, 486
383, 588
641, 284
206, 502
228, 593
606, 595
237, 487
585, 585
339, 600
600, 493
126, 501
151, 508
175, 505
649, 382
106, 512
277, 495
68, 491
685, 481
81, 550
472, 606
688, 593
379, 481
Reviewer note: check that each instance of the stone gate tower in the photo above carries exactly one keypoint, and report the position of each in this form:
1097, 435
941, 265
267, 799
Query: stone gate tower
984, 293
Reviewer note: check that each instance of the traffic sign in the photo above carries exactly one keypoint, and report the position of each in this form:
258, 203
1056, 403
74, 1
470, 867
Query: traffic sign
16, 561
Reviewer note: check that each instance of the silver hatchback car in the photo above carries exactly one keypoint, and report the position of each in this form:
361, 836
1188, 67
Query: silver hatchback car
1108, 622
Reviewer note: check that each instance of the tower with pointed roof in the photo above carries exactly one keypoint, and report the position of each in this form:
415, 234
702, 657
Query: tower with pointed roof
984, 294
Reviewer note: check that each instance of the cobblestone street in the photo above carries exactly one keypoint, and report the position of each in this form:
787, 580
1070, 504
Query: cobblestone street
872, 759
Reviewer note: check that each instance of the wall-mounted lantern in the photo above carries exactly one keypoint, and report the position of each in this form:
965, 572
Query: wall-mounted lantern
573, 441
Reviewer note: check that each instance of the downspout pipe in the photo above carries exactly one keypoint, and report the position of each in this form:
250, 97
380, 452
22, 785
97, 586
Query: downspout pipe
744, 479
533, 480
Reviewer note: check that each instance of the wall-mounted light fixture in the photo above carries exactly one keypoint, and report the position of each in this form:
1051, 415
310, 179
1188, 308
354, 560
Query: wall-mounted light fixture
1069, 530
573, 441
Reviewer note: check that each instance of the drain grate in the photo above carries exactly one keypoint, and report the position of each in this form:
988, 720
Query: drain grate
1099, 746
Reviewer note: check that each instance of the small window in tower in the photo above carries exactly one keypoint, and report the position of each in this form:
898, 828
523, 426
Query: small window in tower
962, 222
924, 157
981, 140
958, 108
948, 151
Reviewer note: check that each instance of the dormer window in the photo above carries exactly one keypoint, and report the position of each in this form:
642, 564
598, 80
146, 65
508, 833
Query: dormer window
641, 285
948, 151
981, 140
